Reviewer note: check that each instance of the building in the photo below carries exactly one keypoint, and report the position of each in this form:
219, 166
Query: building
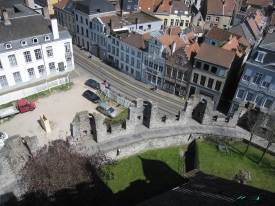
31, 48
217, 13
257, 83
64, 13
178, 70
213, 69
173, 13
205, 189
47, 4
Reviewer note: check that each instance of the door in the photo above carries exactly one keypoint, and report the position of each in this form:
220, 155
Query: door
192, 91
61, 66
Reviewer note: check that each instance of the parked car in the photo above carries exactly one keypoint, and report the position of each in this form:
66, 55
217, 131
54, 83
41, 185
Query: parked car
91, 96
92, 83
106, 109
20, 107
3, 137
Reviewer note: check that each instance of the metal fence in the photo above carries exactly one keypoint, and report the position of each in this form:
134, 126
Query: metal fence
12, 96
126, 102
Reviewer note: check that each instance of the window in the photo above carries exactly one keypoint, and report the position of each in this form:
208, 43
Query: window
139, 54
205, 67
168, 71
198, 64
127, 68
160, 67
208, 18
132, 71
34, 40
17, 77
214, 69
257, 78
132, 61
86, 21
195, 78
52, 66
41, 70
67, 47
179, 59
140, 27
3, 81
81, 19
210, 83
202, 82
47, 38
1, 67
268, 103
247, 75
23, 42
49, 51
155, 66
266, 81
127, 58
186, 23
117, 51
27, 56
12, 60
180, 74
260, 56
218, 85
38, 54
122, 47
138, 64
121, 56
177, 22
221, 72
249, 96
151, 64
113, 50
31, 73
109, 48
133, 52
217, 19
172, 22
165, 22
259, 101
174, 73
181, 22
240, 93
121, 66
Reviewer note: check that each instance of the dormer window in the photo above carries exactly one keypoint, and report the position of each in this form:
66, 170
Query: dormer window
34, 40
23, 42
8, 46
260, 56
47, 38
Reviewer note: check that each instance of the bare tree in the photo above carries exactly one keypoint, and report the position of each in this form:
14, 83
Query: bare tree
268, 129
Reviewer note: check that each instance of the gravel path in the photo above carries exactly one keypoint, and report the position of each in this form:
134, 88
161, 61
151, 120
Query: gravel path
59, 108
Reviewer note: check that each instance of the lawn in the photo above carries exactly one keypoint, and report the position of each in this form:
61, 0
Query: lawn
212, 161
143, 176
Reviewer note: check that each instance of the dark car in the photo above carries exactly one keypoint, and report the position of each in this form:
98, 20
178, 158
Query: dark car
92, 83
91, 96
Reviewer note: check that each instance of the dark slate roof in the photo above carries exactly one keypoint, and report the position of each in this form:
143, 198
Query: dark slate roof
71, 6
269, 42
130, 6
25, 27
95, 6
10, 3
209, 190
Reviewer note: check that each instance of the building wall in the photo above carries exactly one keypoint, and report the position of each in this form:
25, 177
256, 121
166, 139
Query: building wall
185, 19
59, 56
47, 3
223, 22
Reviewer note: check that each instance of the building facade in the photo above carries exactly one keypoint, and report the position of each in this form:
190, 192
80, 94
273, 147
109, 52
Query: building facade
257, 83
33, 53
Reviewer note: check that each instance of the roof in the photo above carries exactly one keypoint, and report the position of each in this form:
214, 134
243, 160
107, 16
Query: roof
220, 34
241, 29
193, 48
145, 5
170, 7
61, 4
135, 40
204, 189
268, 42
253, 26
216, 55
259, 17
107, 20
143, 17
216, 7
25, 27
130, 5
233, 44
95, 6
259, 2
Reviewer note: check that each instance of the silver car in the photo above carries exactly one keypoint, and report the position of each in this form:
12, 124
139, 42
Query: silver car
106, 109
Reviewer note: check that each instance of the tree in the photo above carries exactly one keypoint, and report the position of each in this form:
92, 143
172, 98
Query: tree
252, 119
269, 133
62, 167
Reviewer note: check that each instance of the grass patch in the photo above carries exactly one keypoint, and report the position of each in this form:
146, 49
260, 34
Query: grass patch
119, 118
226, 165
42, 94
143, 176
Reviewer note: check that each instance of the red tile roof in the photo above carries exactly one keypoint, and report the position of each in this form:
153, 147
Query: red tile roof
233, 44
216, 7
193, 48
216, 55
135, 40
164, 6
107, 19
253, 26
145, 4
61, 4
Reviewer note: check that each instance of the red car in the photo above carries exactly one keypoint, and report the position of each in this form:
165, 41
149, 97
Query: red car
25, 106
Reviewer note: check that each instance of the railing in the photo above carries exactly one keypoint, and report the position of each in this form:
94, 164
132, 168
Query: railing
12, 96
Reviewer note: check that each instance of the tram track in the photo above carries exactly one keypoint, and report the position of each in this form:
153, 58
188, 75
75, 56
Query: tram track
126, 86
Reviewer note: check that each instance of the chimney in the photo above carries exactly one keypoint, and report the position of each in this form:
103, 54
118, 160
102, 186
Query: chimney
45, 12
173, 47
112, 24
55, 29
223, 5
5, 16
170, 31
230, 39
30, 3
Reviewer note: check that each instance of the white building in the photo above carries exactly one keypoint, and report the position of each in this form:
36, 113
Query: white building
31, 48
